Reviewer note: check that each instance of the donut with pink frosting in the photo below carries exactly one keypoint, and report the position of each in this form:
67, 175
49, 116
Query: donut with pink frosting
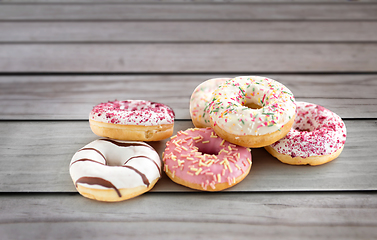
199, 159
316, 137
136, 120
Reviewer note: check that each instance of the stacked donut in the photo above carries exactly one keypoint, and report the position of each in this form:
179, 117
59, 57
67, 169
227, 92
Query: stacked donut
253, 111
120, 165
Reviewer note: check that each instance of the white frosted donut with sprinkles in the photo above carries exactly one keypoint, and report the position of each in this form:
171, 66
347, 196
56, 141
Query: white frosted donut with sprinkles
199, 159
200, 99
252, 111
317, 137
136, 120
111, 171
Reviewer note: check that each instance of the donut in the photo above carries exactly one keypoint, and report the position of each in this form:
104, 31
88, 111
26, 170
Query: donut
200, 100
317, 137
136, 120
111, 171
252, 111
199, 159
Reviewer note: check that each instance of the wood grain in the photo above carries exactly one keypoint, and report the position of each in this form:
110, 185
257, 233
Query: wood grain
73, 97
161, 50
186, 31
182, 1
189, 11
188, 58
218, 216
36, 156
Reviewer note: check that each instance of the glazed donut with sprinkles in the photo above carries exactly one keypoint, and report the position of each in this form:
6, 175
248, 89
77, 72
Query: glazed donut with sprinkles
199, 159
200, 99
252, 111
136, 120
317, 137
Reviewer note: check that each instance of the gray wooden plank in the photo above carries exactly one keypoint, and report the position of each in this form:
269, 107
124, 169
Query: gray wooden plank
183, 1
36, 155
190, 11
188, 216
72, 97
48, 109
174, 58
179, 229
186, 31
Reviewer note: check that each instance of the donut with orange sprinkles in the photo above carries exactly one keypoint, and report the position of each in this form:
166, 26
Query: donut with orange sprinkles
317, 137
199, 159
252, 111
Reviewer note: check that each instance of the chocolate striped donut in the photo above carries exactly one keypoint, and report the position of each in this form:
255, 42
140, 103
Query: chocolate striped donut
112, 170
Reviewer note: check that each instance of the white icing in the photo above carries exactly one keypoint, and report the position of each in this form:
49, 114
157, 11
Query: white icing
316, 132
133, 112
148, 162
200, 99
229, 110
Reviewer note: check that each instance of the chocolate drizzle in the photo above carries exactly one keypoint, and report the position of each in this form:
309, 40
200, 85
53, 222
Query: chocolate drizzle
141, 156
96, 150
105, 183
98, 181
143, 177
86, 159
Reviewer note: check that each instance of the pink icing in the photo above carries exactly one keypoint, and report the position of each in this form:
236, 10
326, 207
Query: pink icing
133, 112
199, 156
316, 131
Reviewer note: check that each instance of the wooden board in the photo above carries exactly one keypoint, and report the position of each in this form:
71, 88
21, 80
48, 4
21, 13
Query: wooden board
36, 156
72, 97
189, 11
59, 58
183, 1
213, 216
187, 31
188, 58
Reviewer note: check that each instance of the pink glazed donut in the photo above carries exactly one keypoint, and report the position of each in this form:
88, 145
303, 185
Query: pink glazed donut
197, 158
317, 137
136, 120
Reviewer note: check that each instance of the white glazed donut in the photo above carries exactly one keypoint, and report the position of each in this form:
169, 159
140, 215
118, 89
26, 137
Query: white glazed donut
317, 137
111, 171
252, 111
136, 120
200, 99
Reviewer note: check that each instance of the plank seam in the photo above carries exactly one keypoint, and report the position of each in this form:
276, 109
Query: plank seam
190, 3
332, 191
182, 73
36, 20
86, 42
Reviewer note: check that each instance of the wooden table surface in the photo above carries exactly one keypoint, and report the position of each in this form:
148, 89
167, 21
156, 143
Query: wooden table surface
58, 59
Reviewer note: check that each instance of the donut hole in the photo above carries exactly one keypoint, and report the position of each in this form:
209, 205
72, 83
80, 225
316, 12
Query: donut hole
253, 105
304, 124
207, 149
303, 130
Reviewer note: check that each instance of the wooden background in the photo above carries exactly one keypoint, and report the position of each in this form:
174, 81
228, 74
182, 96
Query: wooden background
60, 58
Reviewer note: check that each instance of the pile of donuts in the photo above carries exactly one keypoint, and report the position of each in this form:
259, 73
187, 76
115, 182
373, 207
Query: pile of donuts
120, 165
231, 116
